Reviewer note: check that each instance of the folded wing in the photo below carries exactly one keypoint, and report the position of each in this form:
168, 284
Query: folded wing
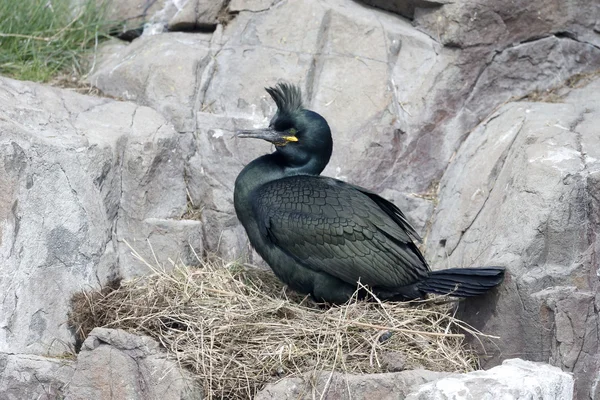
340, 229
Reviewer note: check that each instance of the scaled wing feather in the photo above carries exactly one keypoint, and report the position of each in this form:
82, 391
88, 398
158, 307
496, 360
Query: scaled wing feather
340, 229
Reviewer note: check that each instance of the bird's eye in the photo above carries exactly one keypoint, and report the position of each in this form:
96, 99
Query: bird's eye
281, 127
292, 131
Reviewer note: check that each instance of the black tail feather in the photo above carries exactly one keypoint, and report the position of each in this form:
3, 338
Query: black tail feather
462, 282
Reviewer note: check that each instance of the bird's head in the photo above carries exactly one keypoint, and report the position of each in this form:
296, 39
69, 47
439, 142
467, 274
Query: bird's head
302, 138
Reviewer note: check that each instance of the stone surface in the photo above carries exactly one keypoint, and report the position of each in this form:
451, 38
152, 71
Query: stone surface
159, 71
197, 15
114, 364
492, 23
522, 192
406, 8
131, 18
26, 376
514, 379
79, 176
235, 6
387, 386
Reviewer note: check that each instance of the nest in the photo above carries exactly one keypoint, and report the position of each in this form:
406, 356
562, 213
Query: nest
237, 329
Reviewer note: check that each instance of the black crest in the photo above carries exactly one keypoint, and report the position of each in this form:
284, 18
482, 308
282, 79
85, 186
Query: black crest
287, 97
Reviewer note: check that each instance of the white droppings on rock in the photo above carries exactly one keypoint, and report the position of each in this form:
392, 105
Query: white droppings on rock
514, 379
555, 157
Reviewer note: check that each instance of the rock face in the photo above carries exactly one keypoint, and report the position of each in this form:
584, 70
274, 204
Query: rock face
119, 365
26, 376
130, 18
523, 192
113, 364
388, 386
79, 176
492, 23
423, 110
514, 379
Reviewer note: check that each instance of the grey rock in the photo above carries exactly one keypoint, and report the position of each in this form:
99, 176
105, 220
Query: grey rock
26, 376
129, 17
514, 379
491, 23
418, 208
211, 171
197, 15
521, 193
160, 71
487, 80
236, 6
406, 8
79, 176
133, 17
116, 364
112, 364
57, 205
255, 43
337, 385
518, 70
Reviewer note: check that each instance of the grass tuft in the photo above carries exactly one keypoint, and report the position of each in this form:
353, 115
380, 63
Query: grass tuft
40, 39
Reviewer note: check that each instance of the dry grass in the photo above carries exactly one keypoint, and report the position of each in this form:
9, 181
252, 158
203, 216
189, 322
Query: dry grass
236, 329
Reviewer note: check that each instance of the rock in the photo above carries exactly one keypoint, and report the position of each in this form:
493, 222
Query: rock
26, 376
521, 193
197, 15
79, 176
337, 385
406, 8
112, 364
211, 172
514, 379
492, 23
134, 17
518, 70
236, 6
129, 17
59, 199
120, 365
160, 71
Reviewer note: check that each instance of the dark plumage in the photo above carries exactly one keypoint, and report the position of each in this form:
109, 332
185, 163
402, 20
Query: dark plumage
321, 235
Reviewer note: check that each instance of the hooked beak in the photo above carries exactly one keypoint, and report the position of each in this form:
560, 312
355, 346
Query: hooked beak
268, 134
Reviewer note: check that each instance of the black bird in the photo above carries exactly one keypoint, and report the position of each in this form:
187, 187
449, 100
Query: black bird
321, 235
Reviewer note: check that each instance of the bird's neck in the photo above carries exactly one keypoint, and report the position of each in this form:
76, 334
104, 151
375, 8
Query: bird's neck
262, 170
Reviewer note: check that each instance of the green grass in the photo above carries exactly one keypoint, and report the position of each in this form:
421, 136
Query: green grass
40, 39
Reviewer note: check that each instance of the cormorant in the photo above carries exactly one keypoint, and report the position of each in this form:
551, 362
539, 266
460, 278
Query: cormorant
321, 235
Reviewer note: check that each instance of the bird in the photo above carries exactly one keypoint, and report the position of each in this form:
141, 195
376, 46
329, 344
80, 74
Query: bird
322, 236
